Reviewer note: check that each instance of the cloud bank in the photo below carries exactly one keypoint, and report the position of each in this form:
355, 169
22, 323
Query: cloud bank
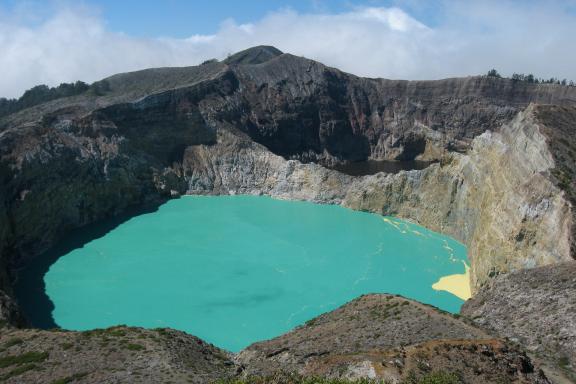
74, 44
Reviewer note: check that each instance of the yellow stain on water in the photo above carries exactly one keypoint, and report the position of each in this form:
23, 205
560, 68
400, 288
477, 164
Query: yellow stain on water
458, 284
395, 224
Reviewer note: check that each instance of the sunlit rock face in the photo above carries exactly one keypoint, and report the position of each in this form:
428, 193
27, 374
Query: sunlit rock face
499, 198
255, 126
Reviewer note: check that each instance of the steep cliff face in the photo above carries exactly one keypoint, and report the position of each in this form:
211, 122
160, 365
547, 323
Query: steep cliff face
557, 124
535, 308
304, 110
499, 199
234, 127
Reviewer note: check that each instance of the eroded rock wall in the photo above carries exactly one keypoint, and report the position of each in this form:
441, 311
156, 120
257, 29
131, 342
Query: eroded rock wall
534, 308
301, 109
498, 199
220, 128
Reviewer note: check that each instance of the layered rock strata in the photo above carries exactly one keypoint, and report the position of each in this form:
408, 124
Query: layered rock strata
499, 198
535, 308
263, 122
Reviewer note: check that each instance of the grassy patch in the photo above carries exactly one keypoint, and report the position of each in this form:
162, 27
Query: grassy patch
12, 342
563, 362
438, 378
311, 322
18, 371
134, 347
162, 331
430, 378
70, 379
28, 357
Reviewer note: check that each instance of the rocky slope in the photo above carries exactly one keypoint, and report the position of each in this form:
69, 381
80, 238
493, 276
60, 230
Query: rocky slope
392, 339
535, 308
113, 355
264, 122
375, 336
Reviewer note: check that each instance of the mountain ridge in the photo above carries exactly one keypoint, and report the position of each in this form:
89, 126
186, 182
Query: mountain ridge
500, 183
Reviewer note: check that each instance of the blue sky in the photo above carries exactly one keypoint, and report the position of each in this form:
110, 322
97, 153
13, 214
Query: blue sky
180, 18
53, 41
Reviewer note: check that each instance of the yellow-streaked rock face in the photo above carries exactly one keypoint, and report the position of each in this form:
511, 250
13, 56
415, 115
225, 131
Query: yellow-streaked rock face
498, 199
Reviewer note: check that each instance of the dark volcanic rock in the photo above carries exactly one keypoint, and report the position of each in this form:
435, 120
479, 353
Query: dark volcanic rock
302, 109
254, 55
142, 137
534, 307
559, 125
390, 338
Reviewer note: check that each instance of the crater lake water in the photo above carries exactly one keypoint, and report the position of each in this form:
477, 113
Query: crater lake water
233, 270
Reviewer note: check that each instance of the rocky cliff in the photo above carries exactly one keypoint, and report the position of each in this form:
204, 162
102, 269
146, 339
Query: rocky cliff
499, 198
264, 122
534, 308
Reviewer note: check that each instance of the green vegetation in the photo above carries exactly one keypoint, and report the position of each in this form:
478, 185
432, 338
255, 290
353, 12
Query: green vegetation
28, 357
162, 331
436, 378
563, 362
100, 88
41, 94
12, 342
210, 61
430, 378
135, 347
116, 331
493, 73
70, 379
311, 322
530, 78
18, 371
564, 178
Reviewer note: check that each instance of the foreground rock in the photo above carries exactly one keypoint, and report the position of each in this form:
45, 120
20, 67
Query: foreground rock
113, 355
536, 308
373, 337
390, 338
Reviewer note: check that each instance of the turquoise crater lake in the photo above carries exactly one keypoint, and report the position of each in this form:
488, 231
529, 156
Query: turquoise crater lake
233, 270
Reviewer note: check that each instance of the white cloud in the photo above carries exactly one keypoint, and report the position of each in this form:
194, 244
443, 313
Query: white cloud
74, 44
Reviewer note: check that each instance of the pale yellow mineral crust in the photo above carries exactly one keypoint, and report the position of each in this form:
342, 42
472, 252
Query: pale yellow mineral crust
457, 284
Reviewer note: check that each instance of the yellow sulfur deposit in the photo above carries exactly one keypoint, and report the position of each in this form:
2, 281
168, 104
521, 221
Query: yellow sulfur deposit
458, 284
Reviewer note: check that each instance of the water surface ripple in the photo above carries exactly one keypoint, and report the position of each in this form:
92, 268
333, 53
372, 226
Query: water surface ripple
237, 269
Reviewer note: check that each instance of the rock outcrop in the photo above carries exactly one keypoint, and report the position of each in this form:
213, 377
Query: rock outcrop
113, 355
499, 198
380, 337
263, 122
535, 308
392, 339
